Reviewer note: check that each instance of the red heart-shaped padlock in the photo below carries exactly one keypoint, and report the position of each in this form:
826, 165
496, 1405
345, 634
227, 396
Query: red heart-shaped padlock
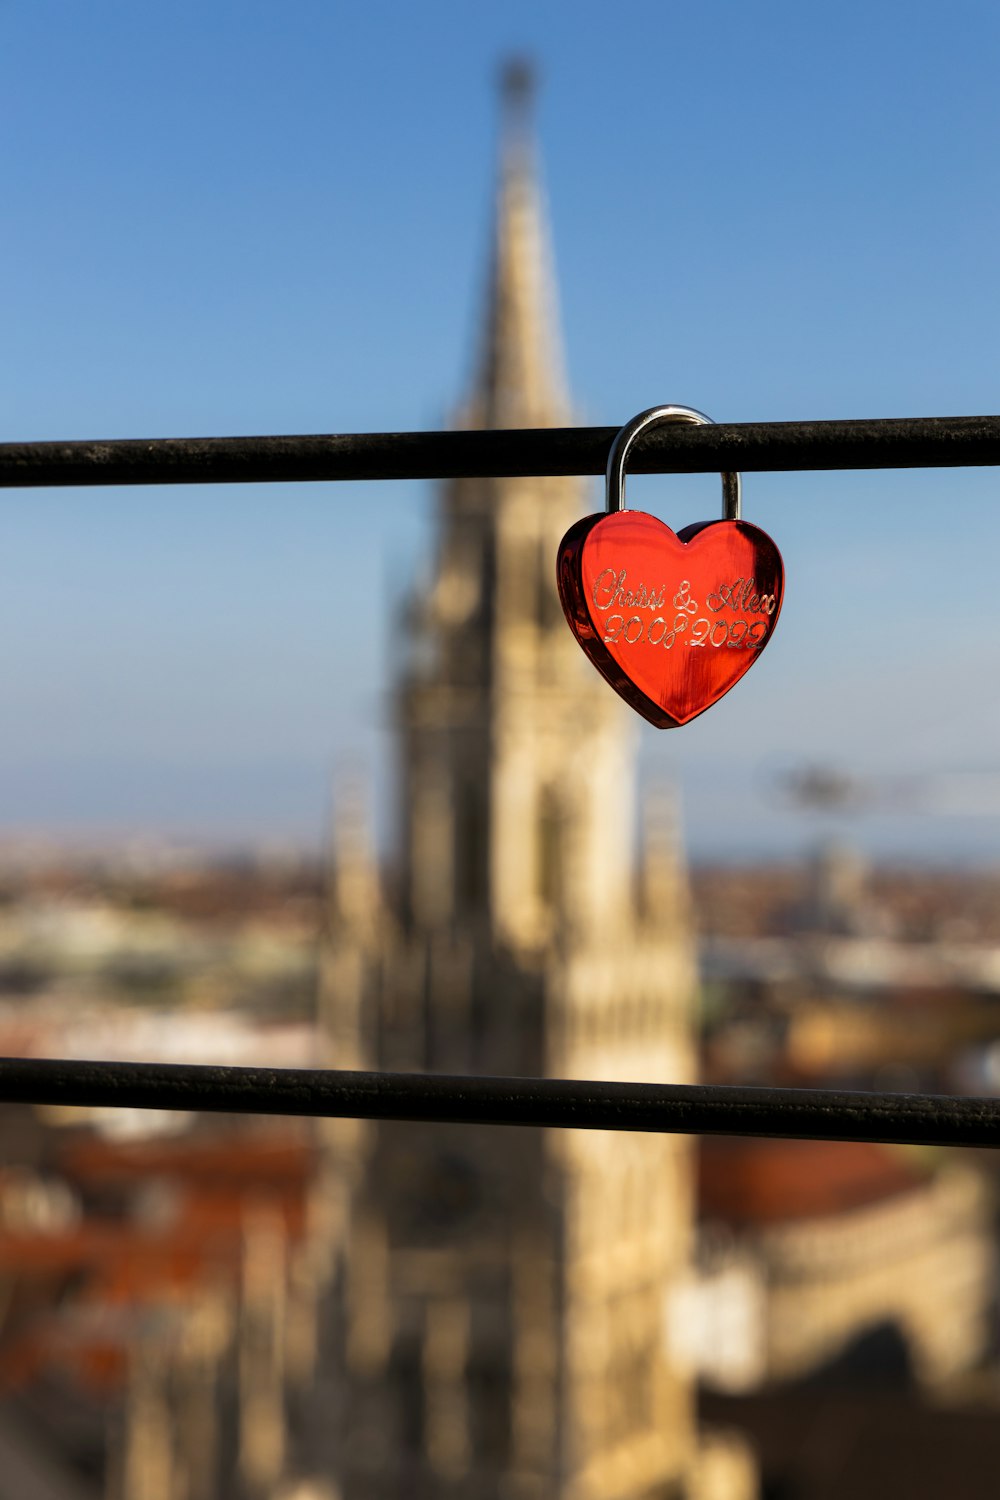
672, 620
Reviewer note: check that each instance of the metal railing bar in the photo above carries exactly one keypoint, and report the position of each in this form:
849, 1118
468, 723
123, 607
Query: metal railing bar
892, 443
814, 1114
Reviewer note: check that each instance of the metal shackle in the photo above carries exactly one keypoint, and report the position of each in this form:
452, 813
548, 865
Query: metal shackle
656, 415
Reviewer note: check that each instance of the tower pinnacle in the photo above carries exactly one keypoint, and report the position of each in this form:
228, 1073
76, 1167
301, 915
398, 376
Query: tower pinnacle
518, 84
519, 379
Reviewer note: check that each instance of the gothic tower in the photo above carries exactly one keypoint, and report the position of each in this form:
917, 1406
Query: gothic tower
503, 1290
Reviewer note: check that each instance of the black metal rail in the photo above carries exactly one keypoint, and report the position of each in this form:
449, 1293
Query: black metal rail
814, 1114
894, 443
820, 1114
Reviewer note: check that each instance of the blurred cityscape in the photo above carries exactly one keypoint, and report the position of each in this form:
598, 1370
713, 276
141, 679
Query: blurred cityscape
210, 1306
162, 1271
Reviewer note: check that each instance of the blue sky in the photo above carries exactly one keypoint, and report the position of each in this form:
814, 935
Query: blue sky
249, 218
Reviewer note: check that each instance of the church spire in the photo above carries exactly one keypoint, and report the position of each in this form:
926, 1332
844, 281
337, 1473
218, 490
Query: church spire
519, 379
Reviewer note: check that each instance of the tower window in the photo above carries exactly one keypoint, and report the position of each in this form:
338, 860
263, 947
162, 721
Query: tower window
470, 850
550, 839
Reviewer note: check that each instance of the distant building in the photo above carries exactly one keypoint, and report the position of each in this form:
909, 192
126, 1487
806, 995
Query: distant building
503, 1290
826, 1255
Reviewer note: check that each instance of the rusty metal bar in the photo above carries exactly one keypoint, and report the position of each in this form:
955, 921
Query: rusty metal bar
894, 443
821, 1114
815, 1114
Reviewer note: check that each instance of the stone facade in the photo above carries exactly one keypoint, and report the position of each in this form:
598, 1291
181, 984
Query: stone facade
502, 1294
823, 1259
922, 1263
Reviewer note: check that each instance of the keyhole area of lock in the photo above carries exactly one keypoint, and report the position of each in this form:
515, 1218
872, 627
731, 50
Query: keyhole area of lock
678, 500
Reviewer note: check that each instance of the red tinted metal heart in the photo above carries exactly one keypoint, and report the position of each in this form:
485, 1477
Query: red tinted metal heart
672, 620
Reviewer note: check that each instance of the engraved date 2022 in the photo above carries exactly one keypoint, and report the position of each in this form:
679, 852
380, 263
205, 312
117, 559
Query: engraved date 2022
636, 616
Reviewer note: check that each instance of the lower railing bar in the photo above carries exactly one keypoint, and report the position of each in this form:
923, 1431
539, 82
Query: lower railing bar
817, 1114
888, 443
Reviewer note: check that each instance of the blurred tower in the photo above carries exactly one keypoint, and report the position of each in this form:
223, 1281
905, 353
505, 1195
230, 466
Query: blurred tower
503, 1289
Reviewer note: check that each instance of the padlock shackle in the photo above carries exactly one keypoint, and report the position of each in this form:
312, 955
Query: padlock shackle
732, 504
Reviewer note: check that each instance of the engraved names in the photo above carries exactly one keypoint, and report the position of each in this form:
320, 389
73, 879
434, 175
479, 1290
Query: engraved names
623, 622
